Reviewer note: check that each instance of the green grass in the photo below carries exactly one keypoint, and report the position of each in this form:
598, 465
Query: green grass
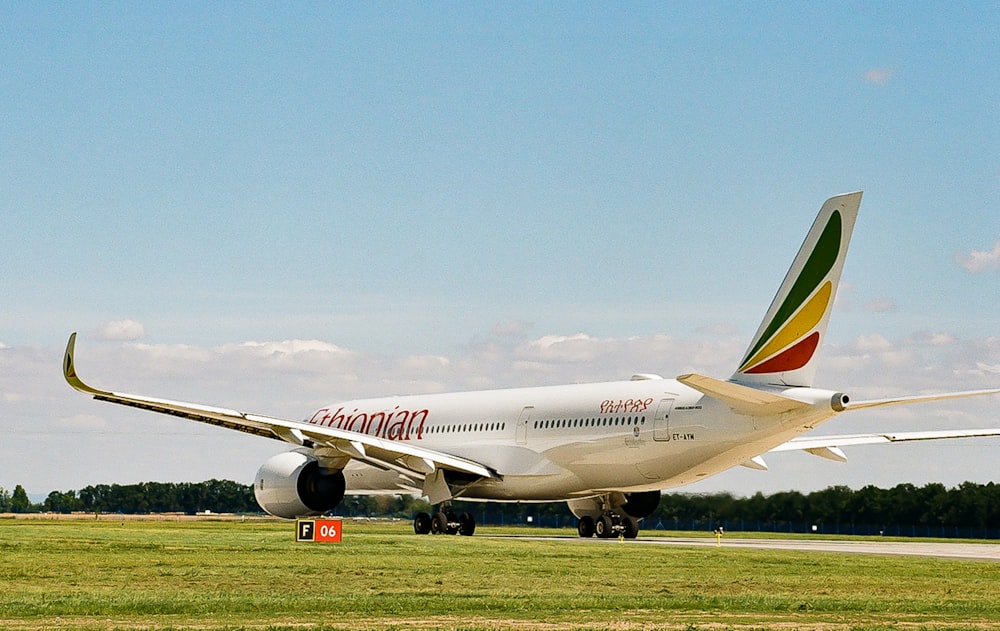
232, 575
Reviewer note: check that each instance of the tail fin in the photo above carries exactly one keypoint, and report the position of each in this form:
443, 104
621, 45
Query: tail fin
784, 350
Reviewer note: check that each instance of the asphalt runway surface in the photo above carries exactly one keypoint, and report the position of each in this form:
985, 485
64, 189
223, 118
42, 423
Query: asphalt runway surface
968, 551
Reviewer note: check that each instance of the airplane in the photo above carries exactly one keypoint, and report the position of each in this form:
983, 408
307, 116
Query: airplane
607, 449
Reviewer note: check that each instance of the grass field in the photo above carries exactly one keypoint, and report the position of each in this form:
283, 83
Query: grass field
232, 575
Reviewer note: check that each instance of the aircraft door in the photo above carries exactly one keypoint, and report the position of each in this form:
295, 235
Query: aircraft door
661, 420
521, 430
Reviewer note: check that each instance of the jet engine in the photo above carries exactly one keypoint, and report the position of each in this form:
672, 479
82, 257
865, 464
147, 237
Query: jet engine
293, 485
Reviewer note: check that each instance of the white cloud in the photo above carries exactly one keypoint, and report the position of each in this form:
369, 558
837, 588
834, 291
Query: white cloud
287, 347
719, 329
83, 422
934, 338
882, 305
513, 328
562, 348
122, 331
163, 354
874, 342
879, 76
424, 364
979, 261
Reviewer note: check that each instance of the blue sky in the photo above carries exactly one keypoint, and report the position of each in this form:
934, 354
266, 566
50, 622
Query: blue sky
441, 192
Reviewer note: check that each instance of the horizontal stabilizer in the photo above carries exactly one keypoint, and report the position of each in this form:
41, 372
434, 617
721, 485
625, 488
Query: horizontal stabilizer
879, 403
743, 399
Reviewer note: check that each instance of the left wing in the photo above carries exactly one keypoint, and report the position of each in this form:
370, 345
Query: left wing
378, 452
829, 446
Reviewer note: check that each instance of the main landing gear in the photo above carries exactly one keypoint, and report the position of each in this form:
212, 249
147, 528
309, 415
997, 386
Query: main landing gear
615, 514
444, 522
608, 525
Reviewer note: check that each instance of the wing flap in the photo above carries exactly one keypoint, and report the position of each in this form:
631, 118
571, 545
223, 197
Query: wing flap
376, 451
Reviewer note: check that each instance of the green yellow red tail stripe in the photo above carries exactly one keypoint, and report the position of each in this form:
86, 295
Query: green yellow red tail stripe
791, 333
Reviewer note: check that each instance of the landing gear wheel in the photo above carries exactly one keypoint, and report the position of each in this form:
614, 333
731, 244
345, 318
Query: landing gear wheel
585, 528
422, 524
631, 527
452, 523
466, 524
439, 524
603, 527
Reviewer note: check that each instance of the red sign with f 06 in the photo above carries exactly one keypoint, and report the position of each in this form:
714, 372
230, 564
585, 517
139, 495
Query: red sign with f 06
321, 530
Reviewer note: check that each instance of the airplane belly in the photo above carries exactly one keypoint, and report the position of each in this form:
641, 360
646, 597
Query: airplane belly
529, 488
599, 465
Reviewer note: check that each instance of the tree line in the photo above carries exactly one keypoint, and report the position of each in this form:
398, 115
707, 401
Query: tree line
217, 496
969, 505
834, 509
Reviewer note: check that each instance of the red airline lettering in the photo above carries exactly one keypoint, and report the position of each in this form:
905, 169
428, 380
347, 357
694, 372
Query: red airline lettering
394, 425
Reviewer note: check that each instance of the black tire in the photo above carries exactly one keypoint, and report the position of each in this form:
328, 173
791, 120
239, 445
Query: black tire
439, 524
422, 524
466, 524
631, 528
602, 527
585, 528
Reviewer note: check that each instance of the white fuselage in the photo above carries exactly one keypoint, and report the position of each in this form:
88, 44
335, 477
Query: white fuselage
562, 442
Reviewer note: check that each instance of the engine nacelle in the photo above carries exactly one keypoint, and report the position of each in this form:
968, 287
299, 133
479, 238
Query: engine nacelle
292, 485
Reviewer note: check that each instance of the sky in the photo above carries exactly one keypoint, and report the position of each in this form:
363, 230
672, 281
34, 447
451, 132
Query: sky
275, 206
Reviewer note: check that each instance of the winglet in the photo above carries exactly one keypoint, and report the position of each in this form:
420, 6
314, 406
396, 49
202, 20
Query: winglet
69, 369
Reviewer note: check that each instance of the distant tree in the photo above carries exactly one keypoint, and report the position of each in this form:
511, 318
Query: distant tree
59, 502
361, 506
830, 506
972, 505
756, 508
788, 506
218, 496
4, 500
19, 502
226, 496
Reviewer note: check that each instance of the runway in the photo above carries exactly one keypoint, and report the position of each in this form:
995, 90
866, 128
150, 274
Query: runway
967, 551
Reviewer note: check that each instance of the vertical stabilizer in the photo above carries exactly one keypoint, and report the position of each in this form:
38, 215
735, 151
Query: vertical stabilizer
785, 348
